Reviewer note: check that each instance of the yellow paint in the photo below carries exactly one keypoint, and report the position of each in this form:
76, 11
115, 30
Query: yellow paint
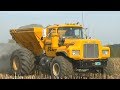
55, 41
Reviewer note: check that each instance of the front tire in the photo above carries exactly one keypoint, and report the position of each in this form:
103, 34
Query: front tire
61, 68
22, 62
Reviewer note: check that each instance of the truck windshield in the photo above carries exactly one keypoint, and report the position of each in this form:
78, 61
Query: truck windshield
70, 32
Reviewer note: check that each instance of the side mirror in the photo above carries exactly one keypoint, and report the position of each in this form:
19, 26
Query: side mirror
62, 39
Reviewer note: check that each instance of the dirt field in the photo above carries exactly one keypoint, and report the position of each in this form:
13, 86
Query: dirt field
113, 68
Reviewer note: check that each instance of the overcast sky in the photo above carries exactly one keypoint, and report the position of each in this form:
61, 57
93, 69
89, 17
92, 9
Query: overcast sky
101, 25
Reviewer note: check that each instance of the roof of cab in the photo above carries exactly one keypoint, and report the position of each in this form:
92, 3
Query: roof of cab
65, 25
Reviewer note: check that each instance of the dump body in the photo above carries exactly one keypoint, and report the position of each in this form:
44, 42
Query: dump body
29, 38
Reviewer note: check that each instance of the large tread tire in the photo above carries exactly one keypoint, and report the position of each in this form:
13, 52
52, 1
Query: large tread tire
66, 68
44, 64
24, 60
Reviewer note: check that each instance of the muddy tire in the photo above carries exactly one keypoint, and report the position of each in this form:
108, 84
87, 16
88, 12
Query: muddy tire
22, 62
44, 64
61, 68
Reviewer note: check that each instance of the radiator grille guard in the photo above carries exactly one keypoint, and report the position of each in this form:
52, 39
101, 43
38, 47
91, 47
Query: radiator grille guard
90, 50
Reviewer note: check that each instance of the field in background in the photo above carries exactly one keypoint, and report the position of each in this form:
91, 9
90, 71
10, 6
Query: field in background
6, 50
115, 50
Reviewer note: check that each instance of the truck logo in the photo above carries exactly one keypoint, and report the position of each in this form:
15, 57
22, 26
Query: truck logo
50, 49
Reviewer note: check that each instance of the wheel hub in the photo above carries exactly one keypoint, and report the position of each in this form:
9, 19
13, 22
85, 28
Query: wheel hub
15, 64
56, 69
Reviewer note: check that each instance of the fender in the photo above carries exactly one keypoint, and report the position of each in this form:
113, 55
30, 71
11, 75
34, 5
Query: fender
63, 53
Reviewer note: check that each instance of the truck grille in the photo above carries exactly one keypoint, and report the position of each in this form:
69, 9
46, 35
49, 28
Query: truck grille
90, 50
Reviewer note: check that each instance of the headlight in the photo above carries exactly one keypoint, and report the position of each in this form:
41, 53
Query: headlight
105, 52
75, 52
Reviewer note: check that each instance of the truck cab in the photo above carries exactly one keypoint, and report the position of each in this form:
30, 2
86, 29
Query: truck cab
70, 40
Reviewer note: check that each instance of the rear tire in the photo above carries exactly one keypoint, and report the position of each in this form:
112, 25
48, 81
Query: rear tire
22, 62
61, 68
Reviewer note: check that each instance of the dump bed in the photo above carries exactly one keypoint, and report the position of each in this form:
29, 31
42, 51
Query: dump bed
29, 38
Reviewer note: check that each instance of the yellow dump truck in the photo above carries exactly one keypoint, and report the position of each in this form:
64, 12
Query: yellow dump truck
60, 48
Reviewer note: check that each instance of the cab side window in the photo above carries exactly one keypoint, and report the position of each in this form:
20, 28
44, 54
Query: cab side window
50, 31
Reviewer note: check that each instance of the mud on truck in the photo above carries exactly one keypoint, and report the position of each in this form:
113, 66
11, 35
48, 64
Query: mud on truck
61, 49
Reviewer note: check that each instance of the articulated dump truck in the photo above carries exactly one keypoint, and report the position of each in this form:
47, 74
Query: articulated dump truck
61, 49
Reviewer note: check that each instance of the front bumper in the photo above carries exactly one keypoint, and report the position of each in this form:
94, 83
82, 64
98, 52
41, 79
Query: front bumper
86, 64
